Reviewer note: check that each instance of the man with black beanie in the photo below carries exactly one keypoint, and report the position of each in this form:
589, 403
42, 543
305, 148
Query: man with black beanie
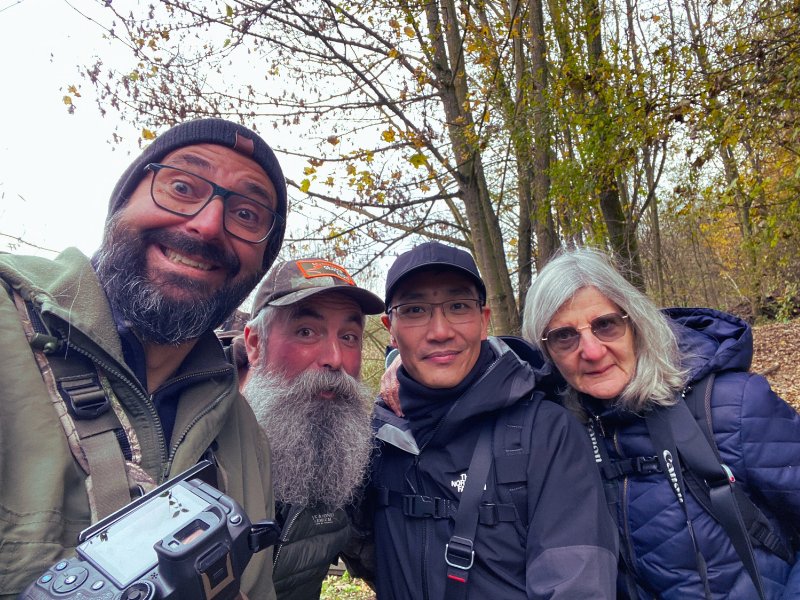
113, 380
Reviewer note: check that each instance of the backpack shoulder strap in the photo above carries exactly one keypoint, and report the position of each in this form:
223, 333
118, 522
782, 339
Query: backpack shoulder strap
512, 450
82, 404
459, 553
675, 432
760, 529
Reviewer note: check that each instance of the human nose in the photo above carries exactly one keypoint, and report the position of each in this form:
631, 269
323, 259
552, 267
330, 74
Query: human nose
209, 221
439, 327
330, 356
590, 347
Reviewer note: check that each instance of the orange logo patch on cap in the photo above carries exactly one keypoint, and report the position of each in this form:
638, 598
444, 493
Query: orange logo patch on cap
324, 268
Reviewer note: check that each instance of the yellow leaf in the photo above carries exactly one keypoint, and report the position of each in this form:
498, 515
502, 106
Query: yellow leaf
147, 134
67, 100
418, 159
656, 18
393, 53
333, 140
351, 169
409, 31
304, 185
309, 170
228, 10
388, 135
393, 23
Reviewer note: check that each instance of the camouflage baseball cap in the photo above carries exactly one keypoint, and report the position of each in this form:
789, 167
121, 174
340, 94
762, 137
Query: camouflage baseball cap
296, 280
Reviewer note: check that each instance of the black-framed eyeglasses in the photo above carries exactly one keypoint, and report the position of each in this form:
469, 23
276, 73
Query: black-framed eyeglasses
605, 328
186, 194
457, 312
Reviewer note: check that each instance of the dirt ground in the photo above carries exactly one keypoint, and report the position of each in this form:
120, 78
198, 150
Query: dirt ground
777, 357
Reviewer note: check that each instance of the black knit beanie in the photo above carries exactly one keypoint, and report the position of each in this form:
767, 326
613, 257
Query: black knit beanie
209, 131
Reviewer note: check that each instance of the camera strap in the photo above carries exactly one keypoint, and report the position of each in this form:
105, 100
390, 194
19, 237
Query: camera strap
78, 391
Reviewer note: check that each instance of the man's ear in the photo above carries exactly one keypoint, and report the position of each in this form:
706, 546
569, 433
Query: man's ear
388, 324
251, 344
485, 314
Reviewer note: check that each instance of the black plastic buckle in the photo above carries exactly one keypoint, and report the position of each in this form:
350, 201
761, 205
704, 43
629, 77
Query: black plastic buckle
424, 506
84, 395
263, 535
647, 465
459, 553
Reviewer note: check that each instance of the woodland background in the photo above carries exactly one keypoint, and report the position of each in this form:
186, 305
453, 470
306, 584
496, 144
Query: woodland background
665, 131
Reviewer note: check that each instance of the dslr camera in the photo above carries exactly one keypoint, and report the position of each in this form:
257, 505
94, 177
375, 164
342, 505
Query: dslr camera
185, 539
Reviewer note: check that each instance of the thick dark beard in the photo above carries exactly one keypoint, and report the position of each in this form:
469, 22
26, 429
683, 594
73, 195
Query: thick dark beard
143, 303
320, 447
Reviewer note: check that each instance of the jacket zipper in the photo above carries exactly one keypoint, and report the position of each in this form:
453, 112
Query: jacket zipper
208, 408
628, 538
285, 536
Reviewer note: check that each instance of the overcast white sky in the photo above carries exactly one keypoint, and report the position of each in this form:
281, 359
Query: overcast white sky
56, 169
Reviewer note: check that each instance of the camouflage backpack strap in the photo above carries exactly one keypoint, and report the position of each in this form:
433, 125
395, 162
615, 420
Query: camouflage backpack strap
96, 427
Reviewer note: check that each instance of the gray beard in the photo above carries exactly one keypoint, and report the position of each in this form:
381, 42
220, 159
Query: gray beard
320, 447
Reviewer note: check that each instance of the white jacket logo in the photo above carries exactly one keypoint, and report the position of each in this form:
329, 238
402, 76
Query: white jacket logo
459, 483
595, 447
673, 477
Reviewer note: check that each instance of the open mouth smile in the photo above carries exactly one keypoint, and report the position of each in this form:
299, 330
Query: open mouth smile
174, 257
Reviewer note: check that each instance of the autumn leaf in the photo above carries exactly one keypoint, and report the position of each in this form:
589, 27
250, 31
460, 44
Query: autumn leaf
388, 135
309, 170
418, 159
67, 100
304, 185
147, 134
409, 31
393, 53
333, 140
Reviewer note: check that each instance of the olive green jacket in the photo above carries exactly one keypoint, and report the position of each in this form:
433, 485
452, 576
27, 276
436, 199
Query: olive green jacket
43, 497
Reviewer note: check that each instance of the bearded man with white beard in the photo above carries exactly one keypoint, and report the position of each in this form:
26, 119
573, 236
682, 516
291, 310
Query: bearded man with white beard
303, 347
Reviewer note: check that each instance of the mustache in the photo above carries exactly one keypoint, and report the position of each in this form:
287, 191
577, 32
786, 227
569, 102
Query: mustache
185, 244
313, 383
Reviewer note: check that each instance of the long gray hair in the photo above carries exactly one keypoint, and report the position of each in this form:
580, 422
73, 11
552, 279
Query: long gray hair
658, 374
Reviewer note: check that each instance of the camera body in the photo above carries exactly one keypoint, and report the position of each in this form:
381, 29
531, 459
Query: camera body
185, 539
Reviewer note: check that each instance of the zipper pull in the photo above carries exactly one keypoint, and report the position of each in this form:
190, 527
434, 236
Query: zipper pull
600, 425
45, 343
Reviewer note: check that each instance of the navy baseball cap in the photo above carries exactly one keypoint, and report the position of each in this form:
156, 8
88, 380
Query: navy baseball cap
433, 254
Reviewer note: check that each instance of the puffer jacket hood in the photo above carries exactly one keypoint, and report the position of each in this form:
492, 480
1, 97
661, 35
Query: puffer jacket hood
711, 341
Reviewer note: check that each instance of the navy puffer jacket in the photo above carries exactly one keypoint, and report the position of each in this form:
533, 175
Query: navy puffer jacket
758, 436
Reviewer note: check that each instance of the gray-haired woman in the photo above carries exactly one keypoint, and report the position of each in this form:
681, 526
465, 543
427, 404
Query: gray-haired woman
624, 363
